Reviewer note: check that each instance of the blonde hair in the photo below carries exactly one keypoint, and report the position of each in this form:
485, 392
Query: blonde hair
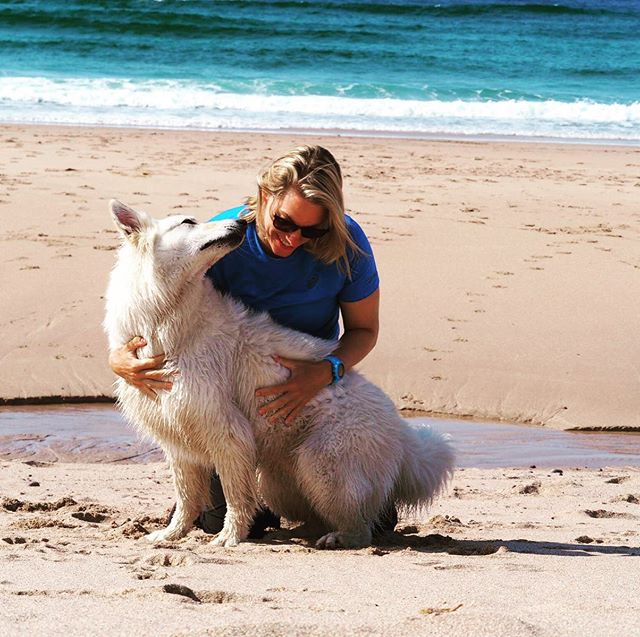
314, 173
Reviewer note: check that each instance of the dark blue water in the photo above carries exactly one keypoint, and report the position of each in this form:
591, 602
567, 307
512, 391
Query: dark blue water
78, 433
568, 69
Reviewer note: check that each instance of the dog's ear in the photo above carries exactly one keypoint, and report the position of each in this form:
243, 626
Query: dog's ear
128, 221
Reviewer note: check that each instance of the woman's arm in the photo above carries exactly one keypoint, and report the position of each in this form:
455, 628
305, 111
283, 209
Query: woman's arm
361, 323
147, 374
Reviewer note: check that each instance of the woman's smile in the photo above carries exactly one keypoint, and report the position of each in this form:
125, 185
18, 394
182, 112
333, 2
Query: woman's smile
296, 209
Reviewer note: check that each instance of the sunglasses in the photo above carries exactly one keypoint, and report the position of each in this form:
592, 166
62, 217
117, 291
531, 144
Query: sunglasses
308, 232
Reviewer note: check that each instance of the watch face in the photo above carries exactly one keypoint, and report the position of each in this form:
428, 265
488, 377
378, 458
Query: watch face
340, 370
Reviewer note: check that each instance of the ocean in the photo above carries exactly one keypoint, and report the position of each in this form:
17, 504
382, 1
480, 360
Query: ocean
566, 70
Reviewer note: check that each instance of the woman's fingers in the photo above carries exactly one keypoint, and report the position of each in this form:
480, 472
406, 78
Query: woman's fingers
147, 374
274, 405
143, 363
157, 374
151, 387
157, 384
149, 363
135, 343
280, 414
294, 414
147, 391
272, 390
286, 408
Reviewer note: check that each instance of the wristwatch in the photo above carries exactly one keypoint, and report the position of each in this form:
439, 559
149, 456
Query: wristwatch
337, 368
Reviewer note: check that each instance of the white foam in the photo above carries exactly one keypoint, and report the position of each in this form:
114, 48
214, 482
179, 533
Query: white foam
185, 104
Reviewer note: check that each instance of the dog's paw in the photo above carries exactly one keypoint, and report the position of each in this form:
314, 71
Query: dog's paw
227, 541
330, 541
341, 540
163, 535
226, 538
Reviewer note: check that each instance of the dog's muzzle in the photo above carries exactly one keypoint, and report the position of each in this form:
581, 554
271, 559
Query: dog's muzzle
234, 238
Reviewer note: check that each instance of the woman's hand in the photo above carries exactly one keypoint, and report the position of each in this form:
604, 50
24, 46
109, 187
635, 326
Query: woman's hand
146, 374
360, 320
306, 380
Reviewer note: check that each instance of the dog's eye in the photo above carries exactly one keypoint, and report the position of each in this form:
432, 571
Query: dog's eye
191, 222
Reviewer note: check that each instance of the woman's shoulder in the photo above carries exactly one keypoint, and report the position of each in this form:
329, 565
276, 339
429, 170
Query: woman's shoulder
358, 235
352, 224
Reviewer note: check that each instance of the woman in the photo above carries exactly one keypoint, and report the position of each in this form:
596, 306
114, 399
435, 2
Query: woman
306, 263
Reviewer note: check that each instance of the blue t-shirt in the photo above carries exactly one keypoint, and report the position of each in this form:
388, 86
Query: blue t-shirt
298, 291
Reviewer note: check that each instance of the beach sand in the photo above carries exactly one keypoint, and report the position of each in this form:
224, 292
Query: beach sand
509, 273
506, 552
508, 270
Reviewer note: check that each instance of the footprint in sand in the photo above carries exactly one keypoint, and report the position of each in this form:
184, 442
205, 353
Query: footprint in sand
630, 497
43, 522
13, 504
170, 559
617, 480
602, 513
14, 540
207, 597
531, 489
89, 515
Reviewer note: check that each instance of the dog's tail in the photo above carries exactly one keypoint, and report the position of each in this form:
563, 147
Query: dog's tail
427, 468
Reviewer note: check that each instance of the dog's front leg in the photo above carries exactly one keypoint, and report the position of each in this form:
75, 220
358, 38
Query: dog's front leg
191, 484
237, 470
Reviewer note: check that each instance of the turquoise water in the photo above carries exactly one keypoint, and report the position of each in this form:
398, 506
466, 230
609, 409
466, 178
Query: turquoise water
567, 69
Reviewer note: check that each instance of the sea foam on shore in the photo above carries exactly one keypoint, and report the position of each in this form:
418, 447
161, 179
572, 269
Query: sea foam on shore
457, 67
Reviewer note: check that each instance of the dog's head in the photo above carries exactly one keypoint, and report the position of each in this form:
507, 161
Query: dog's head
176, 246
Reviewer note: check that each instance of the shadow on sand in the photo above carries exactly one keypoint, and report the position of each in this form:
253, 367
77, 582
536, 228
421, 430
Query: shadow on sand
437, 543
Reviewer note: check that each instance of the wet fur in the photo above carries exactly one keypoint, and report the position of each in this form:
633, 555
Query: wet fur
342, 461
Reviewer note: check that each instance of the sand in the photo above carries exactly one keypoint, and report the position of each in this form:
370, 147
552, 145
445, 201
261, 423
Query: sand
509, 276
506, 552
508, 270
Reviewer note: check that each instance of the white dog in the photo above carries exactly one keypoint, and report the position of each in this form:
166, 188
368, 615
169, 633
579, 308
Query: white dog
347, 456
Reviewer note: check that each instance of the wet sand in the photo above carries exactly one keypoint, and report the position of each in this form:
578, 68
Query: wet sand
507, 269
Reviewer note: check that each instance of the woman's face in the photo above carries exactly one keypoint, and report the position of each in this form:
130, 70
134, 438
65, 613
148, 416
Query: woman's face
295, 208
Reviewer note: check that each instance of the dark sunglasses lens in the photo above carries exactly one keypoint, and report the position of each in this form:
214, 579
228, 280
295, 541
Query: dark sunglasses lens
313, 233
284, 225
308, 232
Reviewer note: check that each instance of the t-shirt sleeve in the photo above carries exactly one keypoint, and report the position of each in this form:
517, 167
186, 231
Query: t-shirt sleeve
231, 213
364, 279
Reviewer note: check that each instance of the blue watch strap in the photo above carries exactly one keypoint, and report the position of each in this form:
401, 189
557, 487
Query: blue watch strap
337, 368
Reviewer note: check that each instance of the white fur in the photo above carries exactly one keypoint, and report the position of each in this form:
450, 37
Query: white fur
347, 456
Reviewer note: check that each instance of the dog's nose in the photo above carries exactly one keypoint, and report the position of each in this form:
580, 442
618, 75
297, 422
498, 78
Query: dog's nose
241, 221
